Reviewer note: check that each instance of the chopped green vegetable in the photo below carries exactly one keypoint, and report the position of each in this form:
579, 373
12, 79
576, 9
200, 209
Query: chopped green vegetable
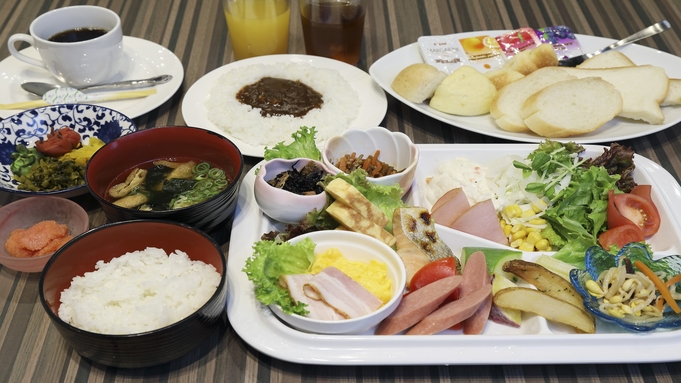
52, 174
303, 146
23, 159
271, 260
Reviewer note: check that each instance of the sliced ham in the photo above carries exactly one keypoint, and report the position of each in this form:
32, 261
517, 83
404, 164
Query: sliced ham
341, 292
316, 309
449, 207
475, 276
481, 220
451, 313
417, 305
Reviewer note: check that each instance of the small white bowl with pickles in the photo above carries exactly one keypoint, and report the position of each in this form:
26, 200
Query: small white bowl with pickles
394, 149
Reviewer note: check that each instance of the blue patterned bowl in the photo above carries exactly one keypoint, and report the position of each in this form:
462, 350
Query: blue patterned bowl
30, 126
598, 260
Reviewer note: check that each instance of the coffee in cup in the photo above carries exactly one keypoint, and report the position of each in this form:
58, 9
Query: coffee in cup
79, 45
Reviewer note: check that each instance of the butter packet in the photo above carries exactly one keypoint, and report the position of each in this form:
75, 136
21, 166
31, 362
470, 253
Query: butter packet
448, 52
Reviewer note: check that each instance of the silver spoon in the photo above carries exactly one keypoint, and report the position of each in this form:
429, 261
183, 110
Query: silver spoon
40, 88
642, 34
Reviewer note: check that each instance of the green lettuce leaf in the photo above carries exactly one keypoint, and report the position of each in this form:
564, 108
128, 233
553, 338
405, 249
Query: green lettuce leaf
303, 146
271, 260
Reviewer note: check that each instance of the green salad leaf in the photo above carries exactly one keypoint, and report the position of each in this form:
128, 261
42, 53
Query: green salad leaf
269, 261
303, 146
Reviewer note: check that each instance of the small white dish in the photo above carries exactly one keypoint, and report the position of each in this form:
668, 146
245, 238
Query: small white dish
143, 58
282, 205
396, 149
374, 103
355, 247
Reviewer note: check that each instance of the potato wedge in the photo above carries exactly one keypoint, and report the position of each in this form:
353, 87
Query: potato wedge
545, 281
553, 309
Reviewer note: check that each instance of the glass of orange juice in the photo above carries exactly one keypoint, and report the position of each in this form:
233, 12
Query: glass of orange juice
257, 27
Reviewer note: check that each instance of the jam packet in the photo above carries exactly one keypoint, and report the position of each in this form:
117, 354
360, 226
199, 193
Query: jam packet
449, 52
563, 40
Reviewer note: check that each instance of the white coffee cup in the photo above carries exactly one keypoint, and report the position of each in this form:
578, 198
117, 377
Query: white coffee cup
80, 63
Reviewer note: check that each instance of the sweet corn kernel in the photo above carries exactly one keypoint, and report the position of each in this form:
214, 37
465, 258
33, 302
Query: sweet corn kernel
537, 221
507, 230
533, 237
516, 243
513, 211
527, 214
542, 244
518, 235
539, 206
517, 227
532, 229
525, 246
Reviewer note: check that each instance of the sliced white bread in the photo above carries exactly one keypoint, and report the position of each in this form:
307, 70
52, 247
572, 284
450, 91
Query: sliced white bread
616, 59
571, 107
609, 59
505, 107
417, 82
643, 88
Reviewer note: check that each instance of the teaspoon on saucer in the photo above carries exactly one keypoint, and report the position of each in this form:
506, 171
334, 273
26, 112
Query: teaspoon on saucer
40, 88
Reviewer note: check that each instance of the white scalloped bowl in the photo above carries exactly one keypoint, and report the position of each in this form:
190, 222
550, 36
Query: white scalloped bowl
357, 247
282, 205
396, 149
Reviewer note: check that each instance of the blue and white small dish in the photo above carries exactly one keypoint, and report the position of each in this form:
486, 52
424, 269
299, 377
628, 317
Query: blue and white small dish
30, 126
598, 260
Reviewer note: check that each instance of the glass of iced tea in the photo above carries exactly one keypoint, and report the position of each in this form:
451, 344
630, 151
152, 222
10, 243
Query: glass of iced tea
257, 27
333, 28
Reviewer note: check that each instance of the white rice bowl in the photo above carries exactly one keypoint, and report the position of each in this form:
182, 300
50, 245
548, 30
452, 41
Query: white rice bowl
243, 122
138, 292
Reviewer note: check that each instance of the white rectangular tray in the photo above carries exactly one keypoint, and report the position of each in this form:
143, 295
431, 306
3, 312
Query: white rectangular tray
535, 342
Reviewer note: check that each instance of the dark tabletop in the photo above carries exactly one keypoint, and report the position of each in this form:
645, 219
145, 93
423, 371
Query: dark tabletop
195, 30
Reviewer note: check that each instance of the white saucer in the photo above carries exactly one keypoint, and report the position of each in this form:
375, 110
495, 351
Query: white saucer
144, 59
374, 103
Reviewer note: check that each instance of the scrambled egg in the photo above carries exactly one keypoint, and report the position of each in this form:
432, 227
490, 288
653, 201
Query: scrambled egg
373, 276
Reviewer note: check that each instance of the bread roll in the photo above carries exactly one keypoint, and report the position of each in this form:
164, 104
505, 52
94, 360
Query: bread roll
417, 82
502, 77
571, 107
465, 92
505, 107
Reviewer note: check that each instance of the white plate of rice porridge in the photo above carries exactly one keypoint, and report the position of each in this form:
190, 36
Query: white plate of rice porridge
351, 100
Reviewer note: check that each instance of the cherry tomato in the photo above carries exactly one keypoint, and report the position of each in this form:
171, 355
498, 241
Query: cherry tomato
631, 208
433, 271
620, 236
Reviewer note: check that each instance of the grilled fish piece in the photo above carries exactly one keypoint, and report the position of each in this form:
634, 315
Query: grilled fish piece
416, 239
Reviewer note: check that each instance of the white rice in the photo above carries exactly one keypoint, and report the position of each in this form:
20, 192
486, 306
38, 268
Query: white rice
243, 122
137, 292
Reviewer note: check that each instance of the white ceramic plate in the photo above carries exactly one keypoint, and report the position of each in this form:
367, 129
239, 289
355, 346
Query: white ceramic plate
535, 342
144, 59
373, 100
387, 67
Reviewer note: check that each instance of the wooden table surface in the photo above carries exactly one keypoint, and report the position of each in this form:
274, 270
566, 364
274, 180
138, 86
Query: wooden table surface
195, 30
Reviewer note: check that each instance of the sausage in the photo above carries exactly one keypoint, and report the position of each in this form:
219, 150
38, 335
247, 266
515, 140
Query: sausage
451, 313
475, 275
417, 305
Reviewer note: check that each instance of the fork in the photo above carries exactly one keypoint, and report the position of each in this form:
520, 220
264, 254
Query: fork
642, 34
